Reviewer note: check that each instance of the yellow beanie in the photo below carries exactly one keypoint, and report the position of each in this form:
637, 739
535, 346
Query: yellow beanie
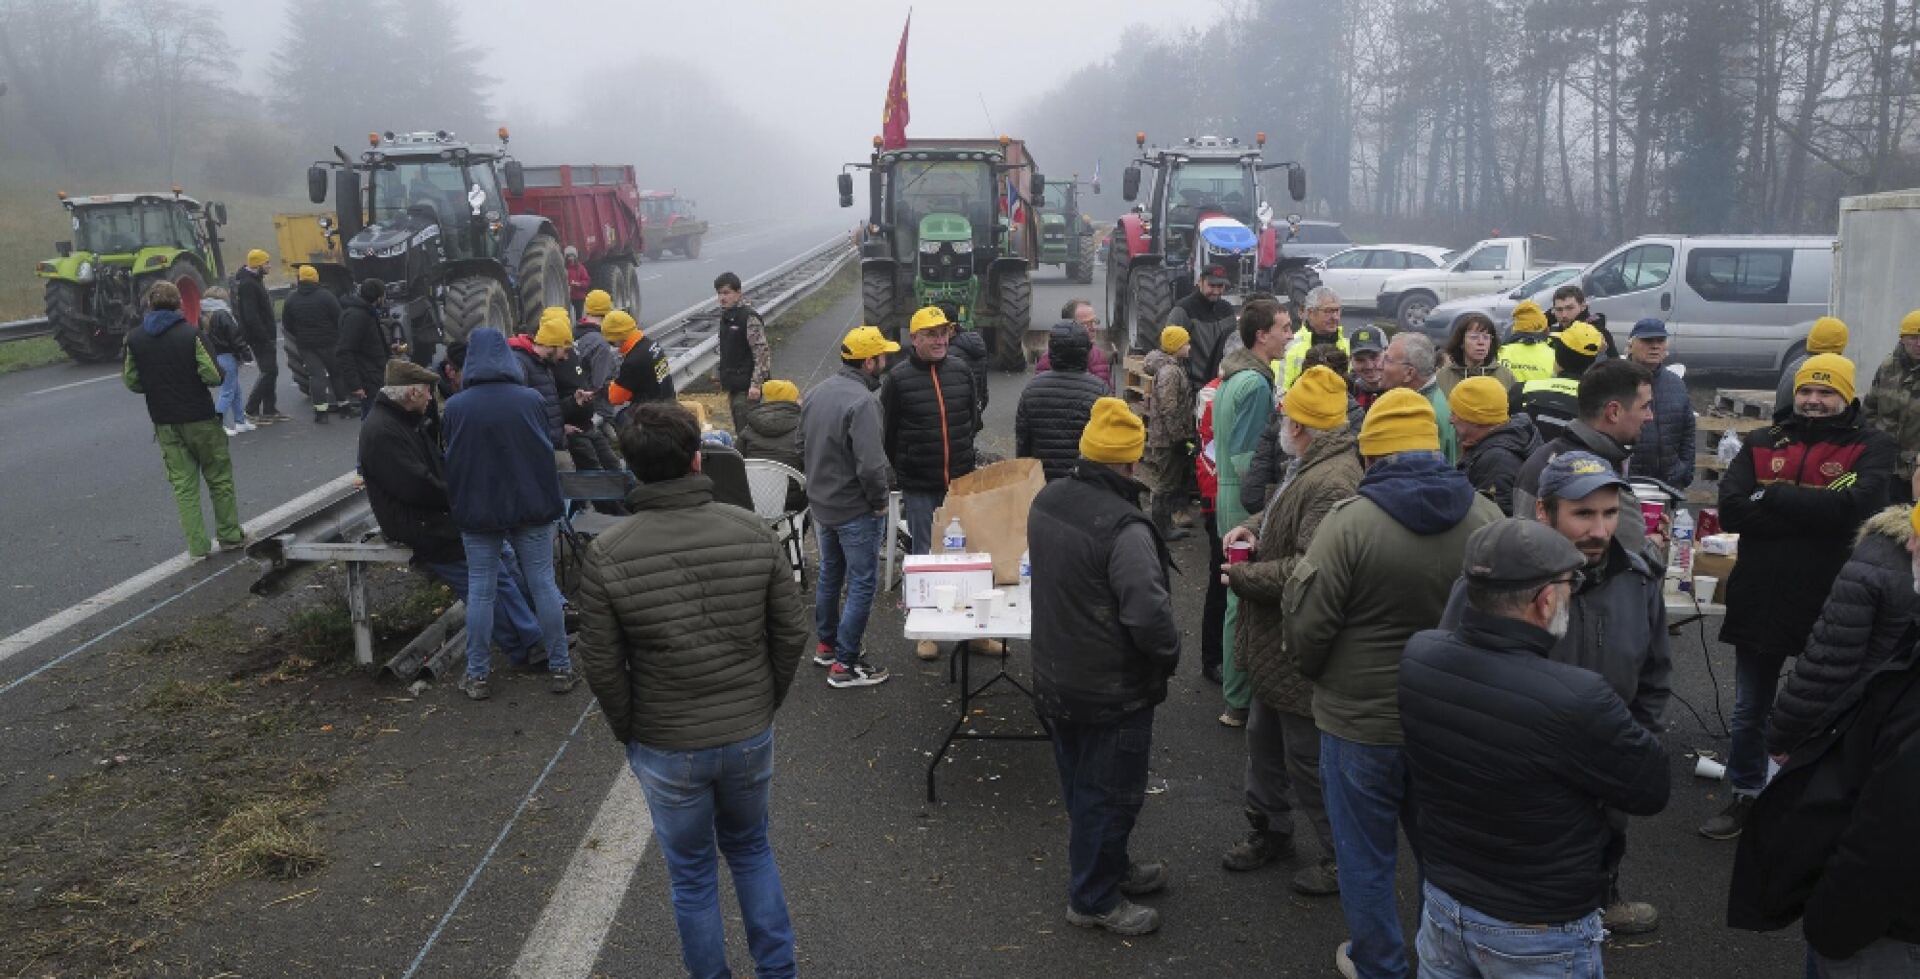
1173, 338
258, 257
1914, 519
1583, 339
1829, 335
1318, 399
617, 327
1480, 401
308, 273
1114, 434
779, 391
1528, 318
556, 328
1827, 370
598, 303
1401, 421
1909, 327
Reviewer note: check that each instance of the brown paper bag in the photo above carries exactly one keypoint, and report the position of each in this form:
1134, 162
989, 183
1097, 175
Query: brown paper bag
991, 504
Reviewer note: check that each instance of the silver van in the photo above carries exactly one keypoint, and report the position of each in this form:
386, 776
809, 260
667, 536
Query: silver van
1731, 302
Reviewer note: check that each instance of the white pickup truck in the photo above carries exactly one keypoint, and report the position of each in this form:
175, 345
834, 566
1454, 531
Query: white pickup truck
1493, 265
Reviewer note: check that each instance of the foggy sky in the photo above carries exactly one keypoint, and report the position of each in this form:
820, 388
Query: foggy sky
816, 71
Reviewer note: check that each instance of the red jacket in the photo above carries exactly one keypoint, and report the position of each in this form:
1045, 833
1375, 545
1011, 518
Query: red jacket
579, 281
1205, 469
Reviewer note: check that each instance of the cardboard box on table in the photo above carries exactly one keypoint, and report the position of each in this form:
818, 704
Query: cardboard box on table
991, 504
970, 574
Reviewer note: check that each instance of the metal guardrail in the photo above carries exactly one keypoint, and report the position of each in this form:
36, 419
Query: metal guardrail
39, 327
691, 336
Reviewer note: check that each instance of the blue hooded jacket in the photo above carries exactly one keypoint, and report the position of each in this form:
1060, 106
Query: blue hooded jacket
500, 467
1420, 491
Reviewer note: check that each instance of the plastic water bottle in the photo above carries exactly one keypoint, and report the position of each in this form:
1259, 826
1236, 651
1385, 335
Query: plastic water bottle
1026, 570
1728, 448
954, 541
1680, 548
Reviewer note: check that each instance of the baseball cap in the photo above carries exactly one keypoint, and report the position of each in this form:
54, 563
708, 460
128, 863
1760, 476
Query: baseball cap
863, 342
1574, 475
1651, 327
1367, 339
1514, 553
929, 318
1582, 339
1215, 273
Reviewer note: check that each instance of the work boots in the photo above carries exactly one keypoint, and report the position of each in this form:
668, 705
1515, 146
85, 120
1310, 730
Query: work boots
1262, 846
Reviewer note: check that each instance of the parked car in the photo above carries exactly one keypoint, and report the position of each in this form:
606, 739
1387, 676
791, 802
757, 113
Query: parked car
1492, 265
1356, 274
1317, 239
1498, 306
1731, 302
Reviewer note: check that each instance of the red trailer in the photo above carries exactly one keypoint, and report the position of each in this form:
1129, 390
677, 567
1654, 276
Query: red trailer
596, 209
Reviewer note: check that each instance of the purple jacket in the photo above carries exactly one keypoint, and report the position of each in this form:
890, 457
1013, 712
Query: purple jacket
1096, 365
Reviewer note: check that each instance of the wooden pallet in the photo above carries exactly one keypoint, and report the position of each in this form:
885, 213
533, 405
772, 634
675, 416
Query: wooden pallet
1135, 385
1709, 428
1744, 403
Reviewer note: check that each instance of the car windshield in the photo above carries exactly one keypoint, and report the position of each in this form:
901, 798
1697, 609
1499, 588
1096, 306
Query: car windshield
1545, 280
117, 229
1227, 186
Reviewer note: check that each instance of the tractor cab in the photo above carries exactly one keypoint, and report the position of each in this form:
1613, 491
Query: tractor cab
944, 206
429, 200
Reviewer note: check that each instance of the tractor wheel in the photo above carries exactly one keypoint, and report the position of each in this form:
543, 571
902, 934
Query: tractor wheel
1081, 269
1149, 303
1294, 283
542, 281
620, 277
692, 247
1116, 309
473, 303
1413, 310
879, 300
192, 288
296, 365
73, 329
1014, 305
653, 254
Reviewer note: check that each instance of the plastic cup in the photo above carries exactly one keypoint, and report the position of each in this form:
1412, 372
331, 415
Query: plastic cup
1650, 512
984, 604
1704, 767
1703, 588
944, 597
1239, 552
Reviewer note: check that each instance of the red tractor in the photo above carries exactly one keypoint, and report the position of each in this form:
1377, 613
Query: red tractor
1200, 214
669, 223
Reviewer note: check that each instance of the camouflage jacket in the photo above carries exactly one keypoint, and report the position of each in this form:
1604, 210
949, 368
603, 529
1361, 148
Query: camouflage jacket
1891, 407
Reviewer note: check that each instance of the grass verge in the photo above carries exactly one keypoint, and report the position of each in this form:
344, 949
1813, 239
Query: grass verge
21, 355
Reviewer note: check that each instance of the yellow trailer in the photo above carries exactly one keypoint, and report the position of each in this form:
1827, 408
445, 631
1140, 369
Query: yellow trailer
302, 242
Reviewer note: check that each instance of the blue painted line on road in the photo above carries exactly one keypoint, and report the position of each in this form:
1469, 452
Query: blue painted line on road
83, 647
474, 877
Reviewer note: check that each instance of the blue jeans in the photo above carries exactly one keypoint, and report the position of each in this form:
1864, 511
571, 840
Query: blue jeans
849, 553
918, 505
229, 399
1103, 778
696, 797
1887, 958
515, 629
1457, 942
1756, 678
1368, 791
533, 547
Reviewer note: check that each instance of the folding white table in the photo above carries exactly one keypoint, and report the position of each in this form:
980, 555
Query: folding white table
1012, 621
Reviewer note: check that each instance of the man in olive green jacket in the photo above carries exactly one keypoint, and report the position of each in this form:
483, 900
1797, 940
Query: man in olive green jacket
692, 628
1379, 570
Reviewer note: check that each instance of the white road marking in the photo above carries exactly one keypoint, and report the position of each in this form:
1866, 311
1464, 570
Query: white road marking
75, 384
567, 939
66, 619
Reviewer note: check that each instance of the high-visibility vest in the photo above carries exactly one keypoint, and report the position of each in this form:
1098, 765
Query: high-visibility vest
1528, 361
1296, 358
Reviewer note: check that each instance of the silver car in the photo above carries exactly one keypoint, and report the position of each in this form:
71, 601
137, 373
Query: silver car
1498, 306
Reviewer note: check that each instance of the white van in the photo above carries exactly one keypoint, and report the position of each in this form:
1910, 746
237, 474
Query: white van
1731, 302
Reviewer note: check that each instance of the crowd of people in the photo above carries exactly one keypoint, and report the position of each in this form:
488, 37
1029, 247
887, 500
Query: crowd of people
1437, 610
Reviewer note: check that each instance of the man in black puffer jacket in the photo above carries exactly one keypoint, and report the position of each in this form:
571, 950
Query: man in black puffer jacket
1056, 404
1515, 760
363, 350
1868, 619
1209, 320
253, 305
311, 318
931, 417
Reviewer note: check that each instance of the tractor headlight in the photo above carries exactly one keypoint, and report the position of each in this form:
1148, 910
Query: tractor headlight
963, 247
929, 247
84, 273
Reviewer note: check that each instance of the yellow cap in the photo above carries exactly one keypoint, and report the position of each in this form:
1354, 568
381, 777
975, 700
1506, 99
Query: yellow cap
1909, 326
928, 318
1829, 335
1583, 339
1528, 318
1318, 399
598, 303
258, 257
307, 273
779, 391
1173, 338
1401, 421
1114, 434
556, 328
1914, 519
617, 327
1480, 401
1827, 370
863, 342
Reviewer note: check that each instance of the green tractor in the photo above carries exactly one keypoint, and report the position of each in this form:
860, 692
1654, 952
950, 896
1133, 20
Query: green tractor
943, 232
122, 244
1066, 235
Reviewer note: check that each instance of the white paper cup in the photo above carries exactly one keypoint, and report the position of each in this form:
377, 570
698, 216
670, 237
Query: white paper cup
1704, 767
945, 596
984, 605
1703, 588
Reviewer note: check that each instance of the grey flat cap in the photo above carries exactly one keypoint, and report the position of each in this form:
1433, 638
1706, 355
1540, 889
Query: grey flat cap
1514, 553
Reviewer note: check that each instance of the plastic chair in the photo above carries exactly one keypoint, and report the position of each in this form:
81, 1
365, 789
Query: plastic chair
769, 483
580, 525
728, 470
896, 546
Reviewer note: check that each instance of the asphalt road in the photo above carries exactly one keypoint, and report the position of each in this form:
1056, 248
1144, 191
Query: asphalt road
84, 501
459, 820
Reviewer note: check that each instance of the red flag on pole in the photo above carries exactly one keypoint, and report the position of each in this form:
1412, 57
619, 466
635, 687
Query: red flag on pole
894, 116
